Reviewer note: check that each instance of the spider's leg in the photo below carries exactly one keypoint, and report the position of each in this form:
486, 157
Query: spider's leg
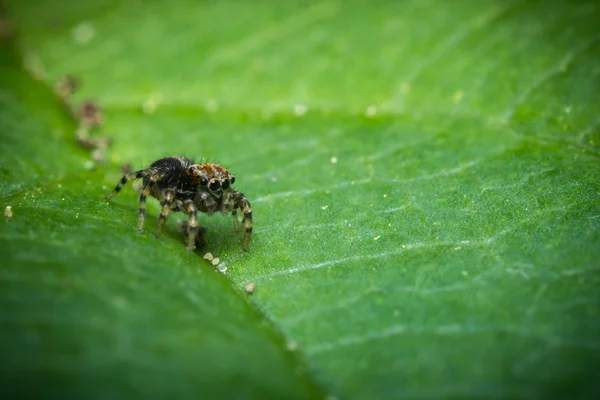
168, 199
192, 227
228, 205
145, 191
200, 242
130, 176
243, 203
236, 221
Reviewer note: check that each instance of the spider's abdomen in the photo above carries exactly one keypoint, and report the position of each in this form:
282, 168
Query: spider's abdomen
172, 171
170, 164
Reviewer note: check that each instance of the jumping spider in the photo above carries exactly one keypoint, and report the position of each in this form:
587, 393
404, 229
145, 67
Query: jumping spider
182, 185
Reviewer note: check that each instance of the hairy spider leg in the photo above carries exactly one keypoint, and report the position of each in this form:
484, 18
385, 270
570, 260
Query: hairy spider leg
145, 191
242, 203
236, 221
228, 205
192, 227
168, 198
200, 236
129, 177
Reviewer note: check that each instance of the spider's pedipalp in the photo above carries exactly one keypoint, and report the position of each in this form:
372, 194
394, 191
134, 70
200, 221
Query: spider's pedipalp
228, 202
206, 203
129, 177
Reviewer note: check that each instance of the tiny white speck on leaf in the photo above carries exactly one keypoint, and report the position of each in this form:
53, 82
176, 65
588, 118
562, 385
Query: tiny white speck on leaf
371, 111
324, 207
292, 345
376, 237
300, 109
63, 199
266, 115
458, 96
83, 33
222, 268
465, 274
568, 110
212, 106
215, 261
77, 215
250, 288
208, 256
8, 212
119, 302
152, 103
457, 248
57, 134
403, 246
384, 196
33, 64
334, 160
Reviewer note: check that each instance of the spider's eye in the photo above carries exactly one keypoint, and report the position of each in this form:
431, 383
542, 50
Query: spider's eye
225, 184
192, 169
232, 180
215, 185
203, 181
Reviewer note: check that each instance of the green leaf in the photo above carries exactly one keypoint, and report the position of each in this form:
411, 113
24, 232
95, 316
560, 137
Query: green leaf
92, 309
424, 181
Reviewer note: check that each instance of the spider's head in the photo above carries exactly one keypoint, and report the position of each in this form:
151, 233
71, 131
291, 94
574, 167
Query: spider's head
211, 177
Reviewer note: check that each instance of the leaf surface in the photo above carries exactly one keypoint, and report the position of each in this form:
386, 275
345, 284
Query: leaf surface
423, 175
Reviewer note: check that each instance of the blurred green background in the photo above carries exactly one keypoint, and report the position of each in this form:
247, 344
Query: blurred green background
424, 178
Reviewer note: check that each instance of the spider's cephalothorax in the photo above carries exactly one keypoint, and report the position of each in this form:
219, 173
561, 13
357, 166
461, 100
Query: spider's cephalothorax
181, 185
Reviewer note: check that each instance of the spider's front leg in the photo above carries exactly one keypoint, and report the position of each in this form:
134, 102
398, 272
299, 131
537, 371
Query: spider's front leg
129, 177
241, 202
